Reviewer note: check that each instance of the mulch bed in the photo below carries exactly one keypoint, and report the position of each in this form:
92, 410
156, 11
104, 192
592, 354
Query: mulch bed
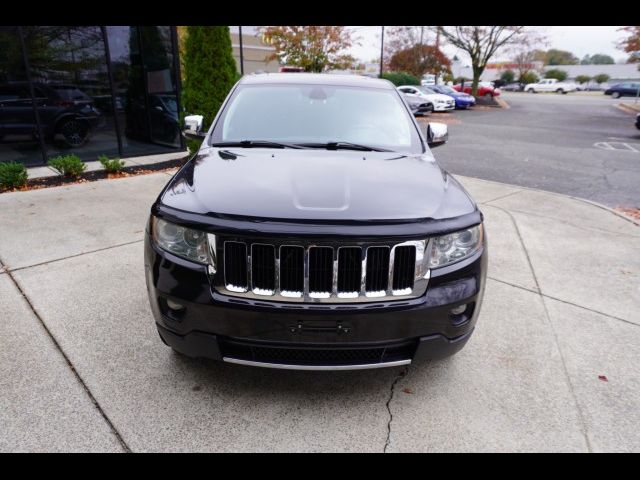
630, 212
59, 180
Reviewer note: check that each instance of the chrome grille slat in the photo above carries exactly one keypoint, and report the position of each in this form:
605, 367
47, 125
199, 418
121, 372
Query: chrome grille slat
291, 270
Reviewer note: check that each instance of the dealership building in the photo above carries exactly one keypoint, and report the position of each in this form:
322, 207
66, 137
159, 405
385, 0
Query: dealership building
88, 90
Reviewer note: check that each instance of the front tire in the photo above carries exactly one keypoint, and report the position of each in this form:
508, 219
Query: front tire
560, 91
615, 95
74, 132
531, 90
488, 95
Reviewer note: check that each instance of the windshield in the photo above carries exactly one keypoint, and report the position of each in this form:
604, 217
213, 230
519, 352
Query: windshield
426, 89
318, 114
447, 89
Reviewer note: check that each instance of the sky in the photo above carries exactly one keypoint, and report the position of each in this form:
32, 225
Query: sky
578, 40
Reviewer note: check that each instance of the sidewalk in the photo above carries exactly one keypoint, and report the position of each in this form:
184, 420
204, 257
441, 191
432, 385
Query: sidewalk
552, 366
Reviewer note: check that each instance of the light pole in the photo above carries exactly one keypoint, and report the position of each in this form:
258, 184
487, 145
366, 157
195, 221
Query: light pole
381, 50
241, 53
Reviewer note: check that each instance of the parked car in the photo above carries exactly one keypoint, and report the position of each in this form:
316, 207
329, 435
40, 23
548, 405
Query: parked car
513, 87
64, 111
462, 100
418, 105
550, 85
315, 230
441, 103
483, 90
638, 121
625, 89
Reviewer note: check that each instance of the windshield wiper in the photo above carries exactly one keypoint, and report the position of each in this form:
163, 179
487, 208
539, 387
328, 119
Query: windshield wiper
344, 146
256, 143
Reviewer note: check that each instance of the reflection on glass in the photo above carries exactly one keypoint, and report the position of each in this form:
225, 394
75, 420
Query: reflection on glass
18, 129
142, 65
71, 88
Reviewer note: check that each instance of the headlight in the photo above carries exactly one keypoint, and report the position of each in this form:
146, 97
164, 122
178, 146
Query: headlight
453, 247
184, 242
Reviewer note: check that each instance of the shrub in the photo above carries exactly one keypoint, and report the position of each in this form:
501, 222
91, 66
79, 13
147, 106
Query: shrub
68, 165
111, 165
401, 78
601, 78
556, 73
528, 77
12, 175
210, 72
508, 76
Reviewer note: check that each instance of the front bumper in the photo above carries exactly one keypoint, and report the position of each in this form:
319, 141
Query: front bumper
318, 336
444, 107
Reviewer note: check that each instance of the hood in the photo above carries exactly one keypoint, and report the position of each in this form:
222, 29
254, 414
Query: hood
437, 96
316, 185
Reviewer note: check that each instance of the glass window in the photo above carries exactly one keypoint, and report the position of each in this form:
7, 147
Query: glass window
72, 92
318, 113
18, 129
145, 82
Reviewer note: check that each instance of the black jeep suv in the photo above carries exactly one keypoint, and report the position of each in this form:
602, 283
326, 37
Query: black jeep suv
315, 230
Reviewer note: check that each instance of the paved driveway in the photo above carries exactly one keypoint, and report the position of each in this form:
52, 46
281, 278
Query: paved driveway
82, 367
576, 144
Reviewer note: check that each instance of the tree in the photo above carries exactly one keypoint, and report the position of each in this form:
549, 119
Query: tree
314, 48
524, 59
583, 79
482, 43
556, 57
601, 59
528, 77
586, 60
631, 44
601, 78
420, 59
209, 70
508, 76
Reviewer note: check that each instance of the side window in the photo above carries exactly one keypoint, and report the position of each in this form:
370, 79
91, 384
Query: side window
8, 93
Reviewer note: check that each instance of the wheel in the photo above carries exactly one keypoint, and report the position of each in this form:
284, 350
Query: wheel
488, 95
430, 108
615, 95
75, 132
531, 90
560, 91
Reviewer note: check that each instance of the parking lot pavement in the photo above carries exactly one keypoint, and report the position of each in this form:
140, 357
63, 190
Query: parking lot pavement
579, 145
552, 364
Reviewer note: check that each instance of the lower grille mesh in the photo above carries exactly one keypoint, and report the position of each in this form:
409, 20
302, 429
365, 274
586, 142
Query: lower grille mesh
332, 355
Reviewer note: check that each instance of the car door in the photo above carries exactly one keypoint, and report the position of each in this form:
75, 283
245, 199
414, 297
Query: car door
16, 110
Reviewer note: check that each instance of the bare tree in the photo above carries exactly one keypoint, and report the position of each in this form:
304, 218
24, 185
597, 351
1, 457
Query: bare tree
524, 59
482, 43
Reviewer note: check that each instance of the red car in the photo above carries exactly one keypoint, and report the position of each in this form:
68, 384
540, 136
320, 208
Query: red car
483, 90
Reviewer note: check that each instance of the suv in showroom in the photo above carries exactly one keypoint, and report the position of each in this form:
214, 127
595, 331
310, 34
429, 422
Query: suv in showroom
64, 111
315, 230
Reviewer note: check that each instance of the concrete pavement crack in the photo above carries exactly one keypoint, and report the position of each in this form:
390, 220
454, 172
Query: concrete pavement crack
73, 256
57, 345
401, 374
551, 297
581, 417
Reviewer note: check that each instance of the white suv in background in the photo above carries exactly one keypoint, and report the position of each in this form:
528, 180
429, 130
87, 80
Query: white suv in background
441, 103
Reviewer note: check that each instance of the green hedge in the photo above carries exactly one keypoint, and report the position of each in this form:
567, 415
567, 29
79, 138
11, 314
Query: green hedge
401, 78
12, 175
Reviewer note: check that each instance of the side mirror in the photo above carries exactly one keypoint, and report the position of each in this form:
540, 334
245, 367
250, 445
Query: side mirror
437, 134
193, 127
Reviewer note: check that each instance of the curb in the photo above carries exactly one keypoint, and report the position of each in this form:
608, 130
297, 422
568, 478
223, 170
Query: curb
583, 200
627, 108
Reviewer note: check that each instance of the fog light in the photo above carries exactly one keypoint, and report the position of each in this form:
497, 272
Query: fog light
458, 310
174, 305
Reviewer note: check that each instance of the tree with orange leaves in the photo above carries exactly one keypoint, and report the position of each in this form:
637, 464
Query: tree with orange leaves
631, 44
420, 59
314, 48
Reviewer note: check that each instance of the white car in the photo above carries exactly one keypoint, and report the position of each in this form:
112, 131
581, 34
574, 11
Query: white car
441, 103
551, 85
